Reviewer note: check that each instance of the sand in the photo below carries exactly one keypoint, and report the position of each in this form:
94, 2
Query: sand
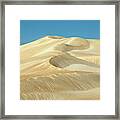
58, 68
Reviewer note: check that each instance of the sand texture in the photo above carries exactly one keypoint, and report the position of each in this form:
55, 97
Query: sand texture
58, 68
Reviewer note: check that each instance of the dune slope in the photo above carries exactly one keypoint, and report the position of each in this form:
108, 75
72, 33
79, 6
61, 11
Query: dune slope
58, 68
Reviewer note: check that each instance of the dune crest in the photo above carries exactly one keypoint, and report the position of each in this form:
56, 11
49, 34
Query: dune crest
58, 68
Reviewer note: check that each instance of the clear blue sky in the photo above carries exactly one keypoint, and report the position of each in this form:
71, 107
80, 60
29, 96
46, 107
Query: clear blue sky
31, 30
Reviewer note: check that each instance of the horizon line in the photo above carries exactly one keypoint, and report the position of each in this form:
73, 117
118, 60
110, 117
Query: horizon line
57, 35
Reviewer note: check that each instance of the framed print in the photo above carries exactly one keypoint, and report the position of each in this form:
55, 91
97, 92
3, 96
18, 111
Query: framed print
60, 59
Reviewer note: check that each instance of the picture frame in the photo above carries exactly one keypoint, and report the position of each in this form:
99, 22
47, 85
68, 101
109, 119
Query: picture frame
2, 60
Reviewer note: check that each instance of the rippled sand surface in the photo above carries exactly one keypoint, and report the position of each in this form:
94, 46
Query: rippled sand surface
58, 68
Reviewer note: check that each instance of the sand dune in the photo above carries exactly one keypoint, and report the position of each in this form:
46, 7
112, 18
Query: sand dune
61, 68
66, 60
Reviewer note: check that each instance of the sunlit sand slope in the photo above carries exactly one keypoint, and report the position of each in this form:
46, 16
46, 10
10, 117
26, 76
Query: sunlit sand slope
58, 68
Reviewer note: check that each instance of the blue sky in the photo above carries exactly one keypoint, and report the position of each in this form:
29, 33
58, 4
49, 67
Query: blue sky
31, 30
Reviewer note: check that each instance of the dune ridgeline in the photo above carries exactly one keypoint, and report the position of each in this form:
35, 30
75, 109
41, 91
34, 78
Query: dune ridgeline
58, 68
